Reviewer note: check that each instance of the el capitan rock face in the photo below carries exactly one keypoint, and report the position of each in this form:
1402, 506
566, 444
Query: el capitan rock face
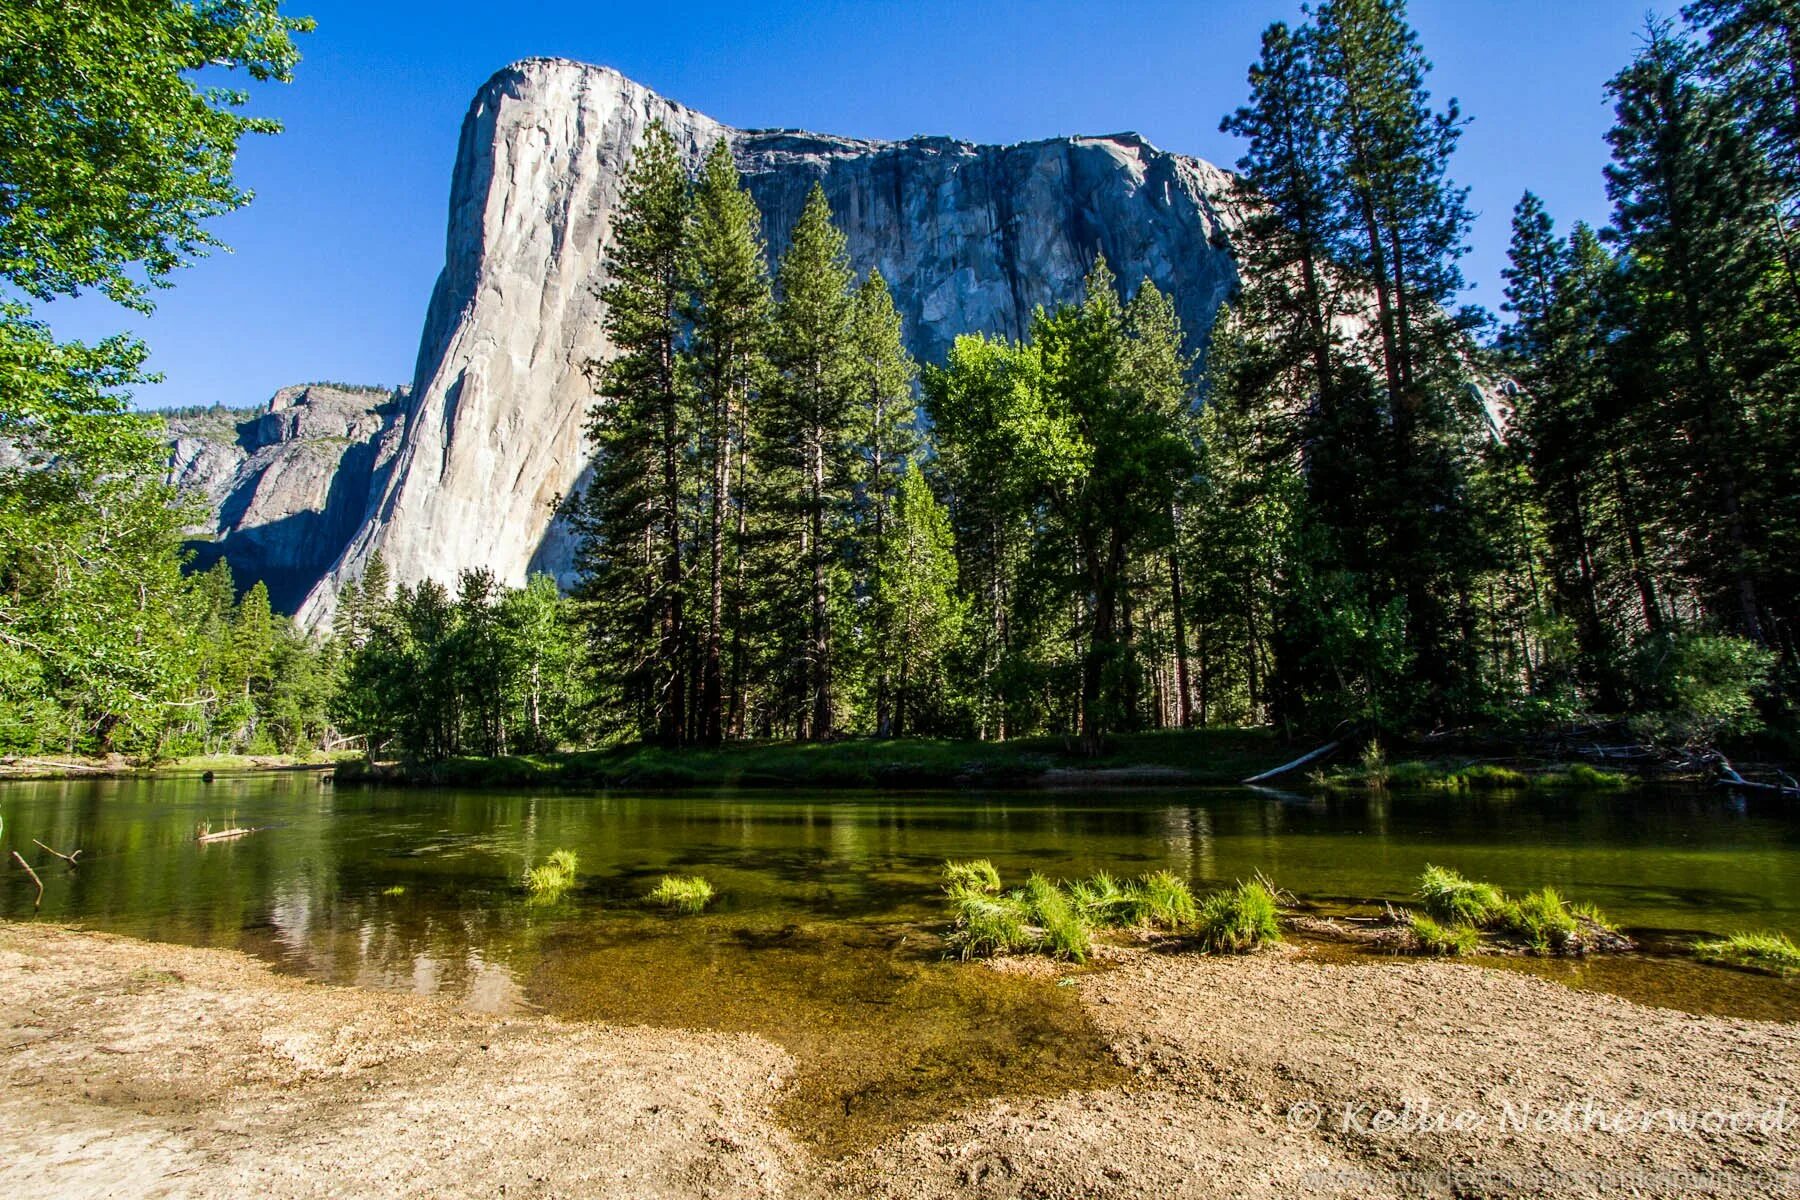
971, 239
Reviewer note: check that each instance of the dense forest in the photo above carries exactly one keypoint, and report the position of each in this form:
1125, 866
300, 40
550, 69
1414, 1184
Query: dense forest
1351, 502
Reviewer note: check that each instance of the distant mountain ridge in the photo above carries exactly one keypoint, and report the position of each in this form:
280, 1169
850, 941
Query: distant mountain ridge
284, 484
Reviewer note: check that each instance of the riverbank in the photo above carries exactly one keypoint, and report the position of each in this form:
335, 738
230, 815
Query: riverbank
119, 766
1170, 758
144, 1069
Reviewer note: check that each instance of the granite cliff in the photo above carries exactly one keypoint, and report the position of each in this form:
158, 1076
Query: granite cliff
283, 487
970, 237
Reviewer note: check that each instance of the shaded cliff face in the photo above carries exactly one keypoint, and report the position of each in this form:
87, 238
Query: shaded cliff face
284, 487
971, 239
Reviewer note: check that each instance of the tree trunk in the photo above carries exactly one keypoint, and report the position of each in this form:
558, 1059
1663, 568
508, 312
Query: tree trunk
1184, 707
821, 600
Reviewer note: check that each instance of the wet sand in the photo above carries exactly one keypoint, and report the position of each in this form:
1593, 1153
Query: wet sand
140, 1069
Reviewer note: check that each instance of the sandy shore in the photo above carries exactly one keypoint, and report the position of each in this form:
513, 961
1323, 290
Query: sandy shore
133, 1069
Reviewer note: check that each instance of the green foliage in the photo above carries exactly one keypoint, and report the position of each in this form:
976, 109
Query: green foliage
1695, 688
1580, 775
1771, 953
551, 878
683, 893
1587, 913
1066, 932
1238, 920
116, 155
1429, 937
1541, 920
1105, 903
984, 924
430, 676
976, 876
1450, 898
1163, 901
1084, 434
1375, 770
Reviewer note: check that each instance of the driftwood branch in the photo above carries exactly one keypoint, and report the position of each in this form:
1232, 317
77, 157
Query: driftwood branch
68, 858
1729, 777
39, 902
224, 835
1284, 768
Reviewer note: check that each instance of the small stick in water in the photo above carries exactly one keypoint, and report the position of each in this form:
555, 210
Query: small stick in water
68, 858
39, 902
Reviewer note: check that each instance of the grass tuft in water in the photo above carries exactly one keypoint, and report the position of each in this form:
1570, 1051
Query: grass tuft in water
1104, 902
1589, 913
1066, 935
984, 924
1770, 953
553, 877
1164, 901
683, 893
1239, 920
1541, 920
1429, 937
978, 875
398, 889
1450, 898
1580, 775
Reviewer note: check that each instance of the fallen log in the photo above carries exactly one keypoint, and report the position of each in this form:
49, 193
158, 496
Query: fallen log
1284, 768
1729, 778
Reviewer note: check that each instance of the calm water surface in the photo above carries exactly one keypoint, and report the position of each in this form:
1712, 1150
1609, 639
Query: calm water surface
824, 934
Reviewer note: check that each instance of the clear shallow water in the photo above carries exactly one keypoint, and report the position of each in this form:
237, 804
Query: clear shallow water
823, 936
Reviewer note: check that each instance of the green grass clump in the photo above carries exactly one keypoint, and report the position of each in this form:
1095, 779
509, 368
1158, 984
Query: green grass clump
1066, 934
1541, 920
555, 876
1164, 901
1450, 898
1413, 774
1432, 938
1589, 912
683, 893
1375, 771
983, 924
398, 889
1238, 920
1104, 902
1773, 953
978, 875
1580, 775
1489, 777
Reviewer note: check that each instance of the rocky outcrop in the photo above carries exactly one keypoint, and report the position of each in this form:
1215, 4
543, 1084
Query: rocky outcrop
971, 238
283, 488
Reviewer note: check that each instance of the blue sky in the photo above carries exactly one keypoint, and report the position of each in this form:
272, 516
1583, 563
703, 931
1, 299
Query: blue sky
334, 262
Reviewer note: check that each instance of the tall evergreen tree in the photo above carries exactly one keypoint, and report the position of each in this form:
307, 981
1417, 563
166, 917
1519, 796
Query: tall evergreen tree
918, 610
807, 429
728, 306
885, 428
631, 517
1689, 196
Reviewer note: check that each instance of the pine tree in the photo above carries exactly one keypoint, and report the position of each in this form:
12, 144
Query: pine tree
630, 523
728, 305
1689, 193
885, 425
807, 429
919, 613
